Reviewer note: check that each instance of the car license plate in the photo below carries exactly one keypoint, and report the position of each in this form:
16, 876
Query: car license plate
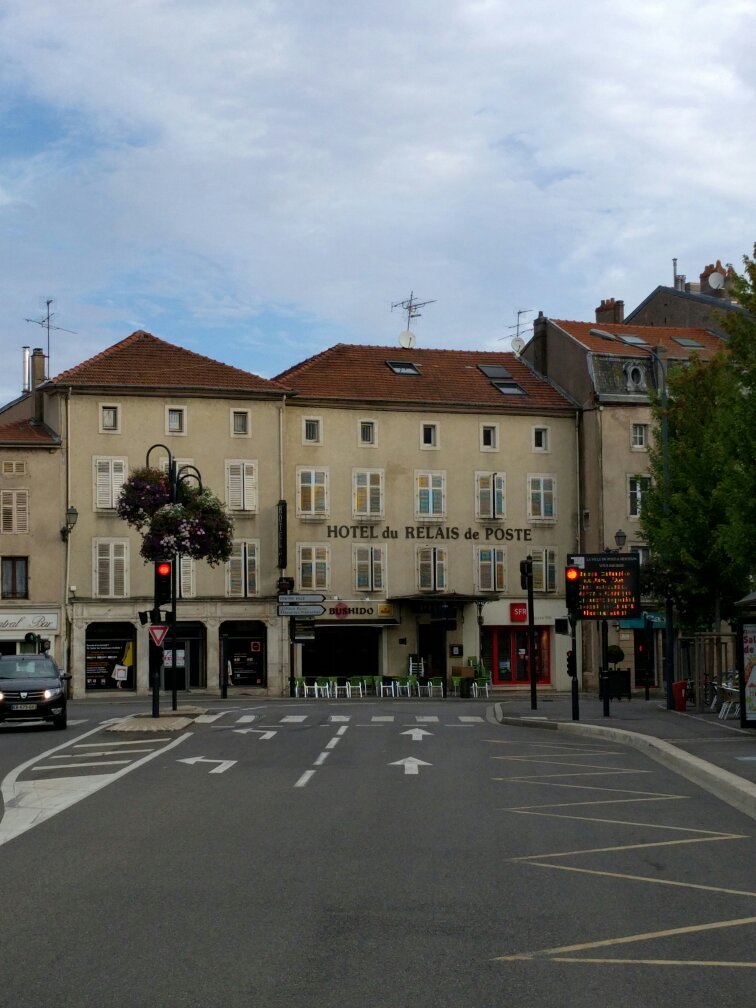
23, 706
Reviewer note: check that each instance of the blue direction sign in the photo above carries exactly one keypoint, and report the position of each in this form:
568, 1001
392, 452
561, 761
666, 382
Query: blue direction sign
301, 610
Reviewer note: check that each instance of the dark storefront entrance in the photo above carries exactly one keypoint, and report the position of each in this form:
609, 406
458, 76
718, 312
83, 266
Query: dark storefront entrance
189, 666
342, 651
244, 652
431, 647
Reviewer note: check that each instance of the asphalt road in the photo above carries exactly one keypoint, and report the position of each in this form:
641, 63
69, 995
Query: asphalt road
317, 863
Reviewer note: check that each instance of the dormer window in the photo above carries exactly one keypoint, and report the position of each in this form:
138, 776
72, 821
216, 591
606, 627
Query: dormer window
635, 377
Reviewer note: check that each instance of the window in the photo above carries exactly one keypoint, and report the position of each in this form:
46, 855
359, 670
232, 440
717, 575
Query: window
636, 488
110, 418
367, 493
403, 367
431, 568
490, 495
489, 437
541, 439
313, 566
369, 564
544, 569
109, 476
175, 420
311, 430
240, 426
429, 435
14, 512
15, 577
312, 496
241, 485
186, 577
642, 552
241, 569
110, 573
639, 436
431, 495
367, 433
492, 568
541, 497
14, 468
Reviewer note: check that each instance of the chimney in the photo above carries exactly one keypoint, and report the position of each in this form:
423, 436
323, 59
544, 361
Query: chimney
611, 311
717, 289
37, 377
26, 377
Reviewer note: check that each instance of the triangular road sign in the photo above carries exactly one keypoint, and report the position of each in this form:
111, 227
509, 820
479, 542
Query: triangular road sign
158, 634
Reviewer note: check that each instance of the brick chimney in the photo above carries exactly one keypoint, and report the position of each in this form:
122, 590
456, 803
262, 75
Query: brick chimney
706, 287
37, 377
611, 311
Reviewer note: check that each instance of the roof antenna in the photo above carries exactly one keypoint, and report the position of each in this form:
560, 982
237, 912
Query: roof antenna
517, 342
407, 338
46, 323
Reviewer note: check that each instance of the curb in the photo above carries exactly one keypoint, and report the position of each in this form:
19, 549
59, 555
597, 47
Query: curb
734, 790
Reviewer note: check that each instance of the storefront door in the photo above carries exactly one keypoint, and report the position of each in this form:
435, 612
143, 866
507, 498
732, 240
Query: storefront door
505, 653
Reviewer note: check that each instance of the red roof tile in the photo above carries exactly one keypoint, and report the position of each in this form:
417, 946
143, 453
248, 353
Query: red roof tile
359, 373
27, 433
587, 333
144, 361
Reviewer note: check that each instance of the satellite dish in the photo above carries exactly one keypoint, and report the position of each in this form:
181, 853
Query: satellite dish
517, 345
407, 339
716, 281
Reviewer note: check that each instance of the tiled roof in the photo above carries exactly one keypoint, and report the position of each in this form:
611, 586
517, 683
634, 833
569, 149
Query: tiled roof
588, 334
358, 373
144, 361
25, 433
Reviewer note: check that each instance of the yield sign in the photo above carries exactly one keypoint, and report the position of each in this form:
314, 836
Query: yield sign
158, 634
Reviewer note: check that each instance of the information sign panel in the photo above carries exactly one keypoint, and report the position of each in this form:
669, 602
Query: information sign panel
603, 585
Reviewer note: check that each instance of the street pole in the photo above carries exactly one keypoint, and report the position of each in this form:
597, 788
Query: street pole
574, 687
531, 635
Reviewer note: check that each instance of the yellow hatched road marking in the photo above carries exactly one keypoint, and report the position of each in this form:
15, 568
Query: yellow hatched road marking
644, 878
629, 939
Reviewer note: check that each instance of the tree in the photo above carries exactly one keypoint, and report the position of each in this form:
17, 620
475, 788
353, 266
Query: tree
699, 522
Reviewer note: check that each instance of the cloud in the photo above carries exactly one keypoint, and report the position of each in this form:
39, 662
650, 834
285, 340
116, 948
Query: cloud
258, 180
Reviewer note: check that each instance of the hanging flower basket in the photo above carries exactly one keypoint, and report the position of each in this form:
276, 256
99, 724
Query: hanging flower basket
142, 495
197, 526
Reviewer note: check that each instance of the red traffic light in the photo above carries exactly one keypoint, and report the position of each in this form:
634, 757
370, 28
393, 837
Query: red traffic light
163, 569
572, 573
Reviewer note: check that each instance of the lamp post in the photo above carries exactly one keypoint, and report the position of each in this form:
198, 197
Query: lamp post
176, 476
72, 516
620, 538
660, 379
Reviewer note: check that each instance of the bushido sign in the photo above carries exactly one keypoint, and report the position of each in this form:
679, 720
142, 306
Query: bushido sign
602, 585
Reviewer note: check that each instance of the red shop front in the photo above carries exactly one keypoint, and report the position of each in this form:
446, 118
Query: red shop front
505, 651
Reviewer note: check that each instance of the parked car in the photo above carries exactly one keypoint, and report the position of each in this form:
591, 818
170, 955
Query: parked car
32, 688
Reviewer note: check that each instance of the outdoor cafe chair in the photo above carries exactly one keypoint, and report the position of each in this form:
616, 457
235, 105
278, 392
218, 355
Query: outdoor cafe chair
387, 688
356, 685
435, 686
340, 688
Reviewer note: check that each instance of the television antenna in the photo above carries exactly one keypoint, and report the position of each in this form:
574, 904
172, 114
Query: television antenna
412, 307
46, 323
517, 342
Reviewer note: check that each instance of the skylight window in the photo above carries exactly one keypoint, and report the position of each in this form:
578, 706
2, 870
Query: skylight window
403, 367
507, 386
633, 340
686, 341
495, 371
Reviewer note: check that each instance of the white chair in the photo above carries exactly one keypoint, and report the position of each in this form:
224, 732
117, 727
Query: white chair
388, 688
480, 685
309, 689
356, 685
435, 686
341, 689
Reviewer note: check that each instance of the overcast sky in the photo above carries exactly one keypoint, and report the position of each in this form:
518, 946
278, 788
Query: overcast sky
259, 179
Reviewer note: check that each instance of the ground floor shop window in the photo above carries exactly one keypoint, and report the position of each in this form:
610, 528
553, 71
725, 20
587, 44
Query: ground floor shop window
504, 651
110, 656
244, 652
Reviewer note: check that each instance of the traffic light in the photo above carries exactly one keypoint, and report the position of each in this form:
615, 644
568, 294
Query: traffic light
163, 582
526, 573
571, 587
571, 664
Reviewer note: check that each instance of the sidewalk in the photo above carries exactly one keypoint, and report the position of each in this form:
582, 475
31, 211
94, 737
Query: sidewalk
717, 755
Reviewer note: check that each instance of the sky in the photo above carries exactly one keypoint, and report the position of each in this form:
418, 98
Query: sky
257, 180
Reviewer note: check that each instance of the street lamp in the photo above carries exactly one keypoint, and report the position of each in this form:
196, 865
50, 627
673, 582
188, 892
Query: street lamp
660, 379
72, 516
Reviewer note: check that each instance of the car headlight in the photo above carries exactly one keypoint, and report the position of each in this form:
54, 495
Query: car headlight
2, 695
53, 694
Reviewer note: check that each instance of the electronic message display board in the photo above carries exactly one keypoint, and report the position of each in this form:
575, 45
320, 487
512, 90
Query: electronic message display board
603, 585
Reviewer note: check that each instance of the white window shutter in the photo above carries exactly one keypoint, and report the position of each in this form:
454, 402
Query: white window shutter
440, 568
362, 568
120, 570
118, 476
250, 549
234, 585
22, 511
186, 577
101, 572
250, 486
234, 485
378, 555
103, 483
485, 569
500, 568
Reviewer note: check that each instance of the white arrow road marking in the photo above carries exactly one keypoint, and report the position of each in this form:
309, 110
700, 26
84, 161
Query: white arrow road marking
410, 764
223, 764
417, 734
29, 803
264, 735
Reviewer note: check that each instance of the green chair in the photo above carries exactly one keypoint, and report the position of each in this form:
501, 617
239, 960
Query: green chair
356, 685
456, 682
324, 686
435, 686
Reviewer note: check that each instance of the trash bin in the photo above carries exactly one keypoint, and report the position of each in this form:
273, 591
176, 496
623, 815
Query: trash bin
679, 692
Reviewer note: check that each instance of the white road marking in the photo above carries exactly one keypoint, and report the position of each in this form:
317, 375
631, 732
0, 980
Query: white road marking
388, 717
208, 718
105, 752
470, 719
321, 759
411, 764
246, 718
222, 766
427, 720
339, 717
417, 734
304, 778
29, 803
333, 742
116, 742
75, 766
294, 718
341, 730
